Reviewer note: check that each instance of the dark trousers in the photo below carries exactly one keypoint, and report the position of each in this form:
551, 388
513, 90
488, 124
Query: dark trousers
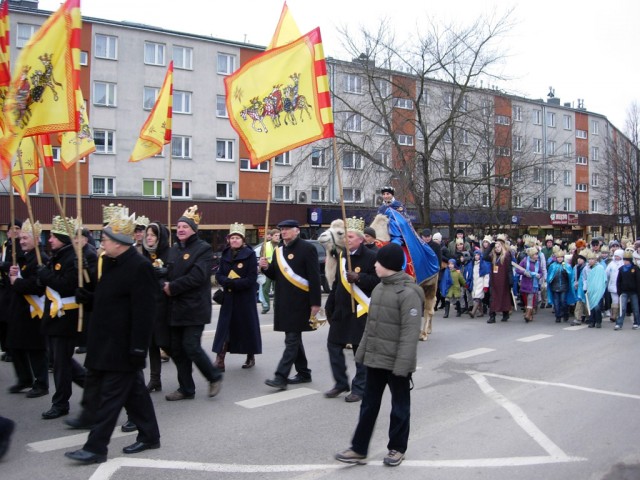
186, 349
155, 362
377, 380
339, 369
293, 355
117, 390
65, 370
31, 367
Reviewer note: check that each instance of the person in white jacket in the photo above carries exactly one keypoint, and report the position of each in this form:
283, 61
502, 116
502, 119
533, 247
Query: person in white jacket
612, 276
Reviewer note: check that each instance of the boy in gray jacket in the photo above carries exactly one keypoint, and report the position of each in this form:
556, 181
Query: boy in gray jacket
388, 349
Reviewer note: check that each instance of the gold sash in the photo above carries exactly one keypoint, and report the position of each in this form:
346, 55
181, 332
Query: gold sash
36, 305
59, 304
358, 294
289, 274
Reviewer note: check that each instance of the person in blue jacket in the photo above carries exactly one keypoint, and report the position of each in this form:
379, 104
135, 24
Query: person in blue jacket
476, 275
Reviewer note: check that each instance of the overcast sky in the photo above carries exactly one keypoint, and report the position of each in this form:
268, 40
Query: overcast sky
583, 49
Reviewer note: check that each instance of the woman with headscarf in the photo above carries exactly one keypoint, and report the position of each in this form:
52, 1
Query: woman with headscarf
596, 283
612, 277
238, 329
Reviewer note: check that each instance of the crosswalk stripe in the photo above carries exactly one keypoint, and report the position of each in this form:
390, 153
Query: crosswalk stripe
278, 397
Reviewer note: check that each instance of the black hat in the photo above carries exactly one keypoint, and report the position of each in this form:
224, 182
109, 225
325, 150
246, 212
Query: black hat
288, 224
63, 238
370, 231
426, 232
391, 257
595, 242
15, 223
388, 189
459, 231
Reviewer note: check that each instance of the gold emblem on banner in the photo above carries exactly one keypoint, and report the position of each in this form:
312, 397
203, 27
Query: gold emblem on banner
185, 256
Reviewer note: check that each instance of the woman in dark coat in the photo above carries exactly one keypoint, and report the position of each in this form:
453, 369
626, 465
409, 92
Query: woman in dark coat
501, 279
156, 248
238, 329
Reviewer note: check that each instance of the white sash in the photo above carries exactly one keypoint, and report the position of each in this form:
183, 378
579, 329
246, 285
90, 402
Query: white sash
358, 294
59, 304
289, 274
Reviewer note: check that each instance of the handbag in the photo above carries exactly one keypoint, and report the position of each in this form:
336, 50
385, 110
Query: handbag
218, 296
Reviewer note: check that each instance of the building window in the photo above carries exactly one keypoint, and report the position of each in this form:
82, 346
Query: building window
502, 181
180, 147
84, 58
24, 33
283, 159
149, 96
224, 190
353, 123
594, 206
463, 168
183, 57
518, 175
405, 140
568, 150
103, 186
425, 99
224, 150
153, 53
516, 200
464, 136
318, 194
382, 160
581, 133
595, 129
106, 47
352, 161
152, 187
537, 175
181, 102
484, 200
517, 143
517, 113
502, 120
568, 178
464, 105
448, 136
503, 151
537, 117
595, 179
567, 204
581, 187
317, 158
379, 128
105, 141
180, 189
353, 83
567, 122
551, 177
245, 165
282, 192
551, 203
352, 195
226, 63
537, 202
581, 160
104, 94
487, 108
551, 119
448, 101
221, 106
404, 103
595, 154
537, 145
382, 84
551, 147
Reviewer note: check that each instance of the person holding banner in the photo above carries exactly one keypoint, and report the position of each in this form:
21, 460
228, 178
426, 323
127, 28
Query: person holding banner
296, 271
346, 323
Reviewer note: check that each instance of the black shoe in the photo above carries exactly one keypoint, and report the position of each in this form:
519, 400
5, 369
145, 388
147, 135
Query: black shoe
298, 379
141, 447
276, 383
81, 350
335, 391
36, 392
265, 310
505, 317
558, 320
55, 412
18, 388
6, 430
154, 386
129, 426
352, 397
78, 423
83, 456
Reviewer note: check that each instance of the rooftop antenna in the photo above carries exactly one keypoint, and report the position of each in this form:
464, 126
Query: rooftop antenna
552, 92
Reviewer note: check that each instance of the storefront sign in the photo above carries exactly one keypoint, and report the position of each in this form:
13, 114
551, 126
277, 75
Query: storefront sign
564, 218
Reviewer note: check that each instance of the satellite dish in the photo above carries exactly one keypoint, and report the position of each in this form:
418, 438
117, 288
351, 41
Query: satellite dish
302, 197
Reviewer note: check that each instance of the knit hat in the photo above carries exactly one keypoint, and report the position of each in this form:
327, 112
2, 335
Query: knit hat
191, 217
370, 231
619, 253
391, 257
437, 237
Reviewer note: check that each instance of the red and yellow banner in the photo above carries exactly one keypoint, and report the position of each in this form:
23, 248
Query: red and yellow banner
77, 145
280, 99
26, 167
5, 54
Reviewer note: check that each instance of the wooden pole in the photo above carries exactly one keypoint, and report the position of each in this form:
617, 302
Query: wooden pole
12, 216
266, 219
78, 234
170, 188
28, 202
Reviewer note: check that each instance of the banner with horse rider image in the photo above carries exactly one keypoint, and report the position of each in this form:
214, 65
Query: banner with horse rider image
280, 100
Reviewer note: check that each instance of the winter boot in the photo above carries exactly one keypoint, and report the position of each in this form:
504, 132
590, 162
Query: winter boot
615, 311
492, 317
458, 309
505, 316
447, 305
219, 363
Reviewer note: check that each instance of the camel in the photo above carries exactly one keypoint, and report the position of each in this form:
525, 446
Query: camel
332, 239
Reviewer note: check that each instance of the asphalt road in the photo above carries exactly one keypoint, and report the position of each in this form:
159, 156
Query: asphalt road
504, 401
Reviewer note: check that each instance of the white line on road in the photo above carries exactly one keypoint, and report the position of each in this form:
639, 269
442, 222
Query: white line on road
276, 397
68, 441
576, 327
471, 353
534, 338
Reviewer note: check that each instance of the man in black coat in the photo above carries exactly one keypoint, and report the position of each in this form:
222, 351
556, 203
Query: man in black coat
188, 287
123, 305
346, 326
6, 260
295, 269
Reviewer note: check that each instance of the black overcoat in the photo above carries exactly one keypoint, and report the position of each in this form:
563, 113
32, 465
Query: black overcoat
64, 280
161, 330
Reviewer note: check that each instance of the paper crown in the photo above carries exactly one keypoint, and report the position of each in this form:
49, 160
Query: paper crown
555, 249
591, 254
143, 221
34, 229
560, 254
356, 224
487, 238
471, 238
531, 251
62, 226
237, 229
529, 240
192, 214
628, 255
572, 247
121, 228
603, 249
548, 237
111, 210
502, 238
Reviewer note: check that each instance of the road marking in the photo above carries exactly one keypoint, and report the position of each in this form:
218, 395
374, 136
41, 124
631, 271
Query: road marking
534, 338
281, 396
471, 353
576, 327
68, 441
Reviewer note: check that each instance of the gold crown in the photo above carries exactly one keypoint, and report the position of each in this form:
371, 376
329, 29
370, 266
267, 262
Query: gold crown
529, 240
356, 224
555, 248
142, 220
62, 226
110, 211
123, 224
191, 213
501, 238
35, 230
548, 237
572, 246
237, 229
592, 255
487, 238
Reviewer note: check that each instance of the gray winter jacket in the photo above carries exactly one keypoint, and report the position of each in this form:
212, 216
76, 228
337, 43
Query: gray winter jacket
390, 339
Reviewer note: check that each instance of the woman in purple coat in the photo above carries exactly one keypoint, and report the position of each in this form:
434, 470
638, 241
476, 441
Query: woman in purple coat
501, 279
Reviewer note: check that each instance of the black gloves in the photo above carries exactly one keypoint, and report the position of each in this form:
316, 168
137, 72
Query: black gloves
84, 296
160, 272
44, 275
353, 277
